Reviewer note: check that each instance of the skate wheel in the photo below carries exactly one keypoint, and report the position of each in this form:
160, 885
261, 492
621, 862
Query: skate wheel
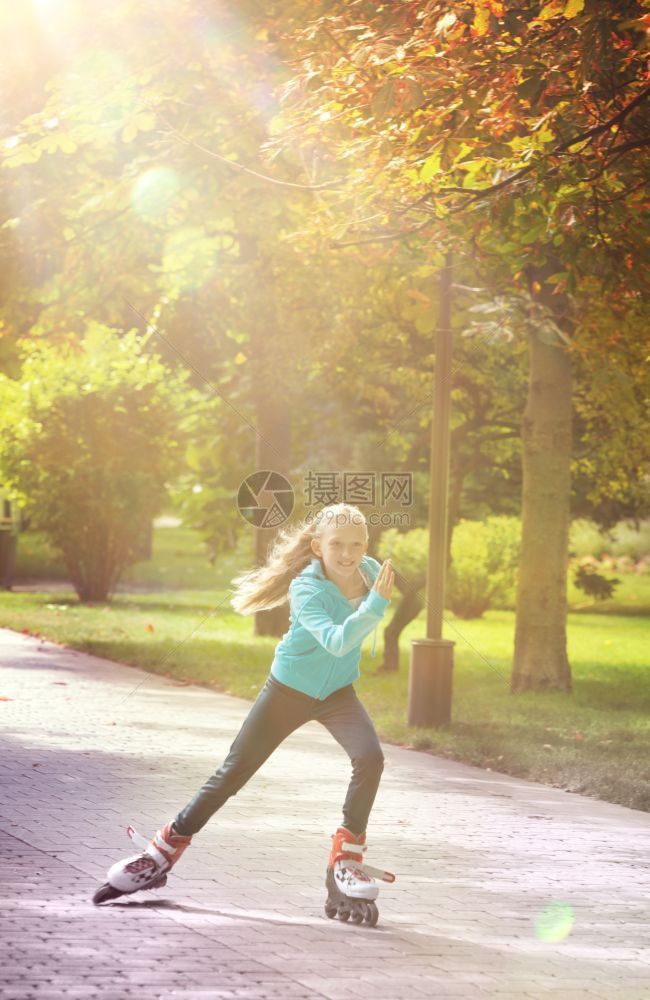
344, 912
106, 892
331, 910
358, 913
372, 913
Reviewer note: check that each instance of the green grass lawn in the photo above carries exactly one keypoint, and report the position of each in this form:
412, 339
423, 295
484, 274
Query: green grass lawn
594, 741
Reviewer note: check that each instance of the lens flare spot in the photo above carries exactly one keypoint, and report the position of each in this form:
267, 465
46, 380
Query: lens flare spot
555, 922
154, 191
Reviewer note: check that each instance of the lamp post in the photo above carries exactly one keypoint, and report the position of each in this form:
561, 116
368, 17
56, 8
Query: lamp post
430, 676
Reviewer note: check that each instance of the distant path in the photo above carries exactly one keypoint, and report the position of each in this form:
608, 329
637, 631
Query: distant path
28, 585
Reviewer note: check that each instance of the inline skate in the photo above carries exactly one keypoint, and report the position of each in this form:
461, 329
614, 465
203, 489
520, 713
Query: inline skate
147, 870
351, 888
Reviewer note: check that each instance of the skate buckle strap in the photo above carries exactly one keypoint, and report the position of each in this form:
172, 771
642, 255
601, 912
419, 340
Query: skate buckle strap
376, 872
160, 842
136, 837
157, 848
354, 848
157, 840
368, 869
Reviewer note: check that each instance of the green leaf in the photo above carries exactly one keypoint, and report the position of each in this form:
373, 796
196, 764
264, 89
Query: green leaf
531, 88
573, 7
575, 147
542, 137
129, 132
550, 10
145, 121
431, 166
24, 154
67, 144
465, 148
426, 319
533, 234
474, 168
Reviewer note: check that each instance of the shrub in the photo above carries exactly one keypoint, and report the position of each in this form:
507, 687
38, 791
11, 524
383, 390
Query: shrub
410, 551
485, 556
90, 435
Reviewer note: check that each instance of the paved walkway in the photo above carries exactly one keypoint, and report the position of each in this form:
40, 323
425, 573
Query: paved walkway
505, 888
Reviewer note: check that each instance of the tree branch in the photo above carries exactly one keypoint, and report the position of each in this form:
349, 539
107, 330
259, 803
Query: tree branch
240, 166
605, 126
561, 148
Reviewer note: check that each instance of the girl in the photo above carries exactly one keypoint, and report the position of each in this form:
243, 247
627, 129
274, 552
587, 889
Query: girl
337, 596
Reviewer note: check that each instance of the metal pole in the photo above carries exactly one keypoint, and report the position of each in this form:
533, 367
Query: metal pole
432, 658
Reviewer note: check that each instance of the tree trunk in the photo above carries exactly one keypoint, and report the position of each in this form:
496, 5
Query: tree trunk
272, 453
540, 659
273, 438
407, 609
144, 549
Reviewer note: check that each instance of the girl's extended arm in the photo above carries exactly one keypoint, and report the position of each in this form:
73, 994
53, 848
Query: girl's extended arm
340, 639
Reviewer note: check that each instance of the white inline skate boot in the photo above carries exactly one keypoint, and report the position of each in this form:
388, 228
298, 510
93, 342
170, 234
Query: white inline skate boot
351, 888
147, 870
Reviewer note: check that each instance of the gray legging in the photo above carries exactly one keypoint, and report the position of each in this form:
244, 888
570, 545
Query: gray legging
277, 712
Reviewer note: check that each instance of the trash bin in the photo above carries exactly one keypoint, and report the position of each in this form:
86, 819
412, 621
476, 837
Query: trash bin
430, 682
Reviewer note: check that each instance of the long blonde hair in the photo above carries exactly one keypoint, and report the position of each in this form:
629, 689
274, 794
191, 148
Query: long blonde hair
268, 585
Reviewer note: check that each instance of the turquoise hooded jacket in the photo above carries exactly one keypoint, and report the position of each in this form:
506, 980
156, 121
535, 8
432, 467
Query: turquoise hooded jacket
320, 653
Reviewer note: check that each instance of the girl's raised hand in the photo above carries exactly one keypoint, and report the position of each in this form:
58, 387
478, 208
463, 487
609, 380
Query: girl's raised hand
384, 580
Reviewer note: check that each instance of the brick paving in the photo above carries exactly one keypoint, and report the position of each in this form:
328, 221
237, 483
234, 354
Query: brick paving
479, 857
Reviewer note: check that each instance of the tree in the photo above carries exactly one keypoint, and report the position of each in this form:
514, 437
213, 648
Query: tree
516, 137
91, 436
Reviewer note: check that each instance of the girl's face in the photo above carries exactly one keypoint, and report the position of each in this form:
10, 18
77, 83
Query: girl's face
341, 547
